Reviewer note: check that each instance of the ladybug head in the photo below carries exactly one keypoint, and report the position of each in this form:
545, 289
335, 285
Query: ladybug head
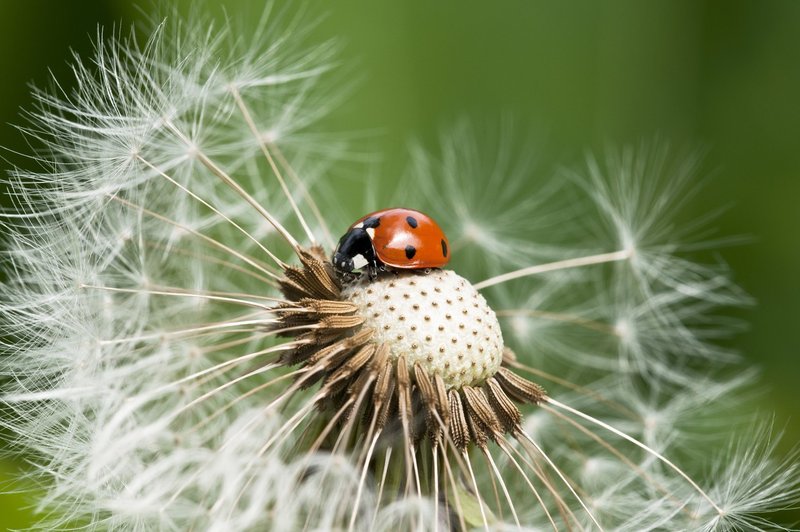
354, 251
342, 262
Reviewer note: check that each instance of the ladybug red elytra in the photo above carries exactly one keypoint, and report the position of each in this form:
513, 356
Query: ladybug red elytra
398, 237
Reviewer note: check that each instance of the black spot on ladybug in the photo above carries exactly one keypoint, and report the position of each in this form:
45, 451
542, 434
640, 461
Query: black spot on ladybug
410, 252
371, 223
412, 222
444, 248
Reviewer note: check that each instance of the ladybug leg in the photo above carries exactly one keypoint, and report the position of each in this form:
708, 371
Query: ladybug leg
374, 266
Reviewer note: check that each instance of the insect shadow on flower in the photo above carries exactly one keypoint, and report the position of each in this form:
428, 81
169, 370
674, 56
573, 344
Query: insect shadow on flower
182, 353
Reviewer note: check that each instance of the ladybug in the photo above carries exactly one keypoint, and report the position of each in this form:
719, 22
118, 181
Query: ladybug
399, 238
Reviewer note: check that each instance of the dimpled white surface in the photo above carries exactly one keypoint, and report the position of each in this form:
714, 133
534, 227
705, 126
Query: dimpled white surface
436, 319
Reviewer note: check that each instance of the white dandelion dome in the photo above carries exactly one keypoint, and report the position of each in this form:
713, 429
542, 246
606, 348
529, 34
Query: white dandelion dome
179, 353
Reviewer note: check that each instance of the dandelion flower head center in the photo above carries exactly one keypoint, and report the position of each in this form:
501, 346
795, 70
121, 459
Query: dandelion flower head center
435, 319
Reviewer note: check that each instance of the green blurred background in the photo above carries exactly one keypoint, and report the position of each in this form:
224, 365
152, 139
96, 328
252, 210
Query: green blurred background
721, 75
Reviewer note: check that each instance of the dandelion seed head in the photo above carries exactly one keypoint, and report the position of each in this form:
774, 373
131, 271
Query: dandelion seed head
475, 233
521, 327
437, 320
601, 471
623, 329
271, 136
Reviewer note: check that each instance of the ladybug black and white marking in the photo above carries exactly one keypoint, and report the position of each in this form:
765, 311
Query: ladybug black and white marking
398, 238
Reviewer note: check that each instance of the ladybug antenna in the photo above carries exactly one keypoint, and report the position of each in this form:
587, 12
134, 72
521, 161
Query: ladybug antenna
262, 142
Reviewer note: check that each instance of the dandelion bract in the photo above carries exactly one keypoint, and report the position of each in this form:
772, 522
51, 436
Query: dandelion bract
180, 353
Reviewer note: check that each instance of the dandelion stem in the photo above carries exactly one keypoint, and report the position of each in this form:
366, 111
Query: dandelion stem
270, 351
361, 481
212, 260
283, 432
620, 456
228, 180
321, 435
558, 265
563, 478
222, 365
261, 387
306, 195
210, 327
265, 150
225, 386
212, 208
502, 486
477, 490
639, 444
528, 460
434, 454
503, 444
178, 292
627, 412
454, 487
198, 234
382, 485
559, 316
